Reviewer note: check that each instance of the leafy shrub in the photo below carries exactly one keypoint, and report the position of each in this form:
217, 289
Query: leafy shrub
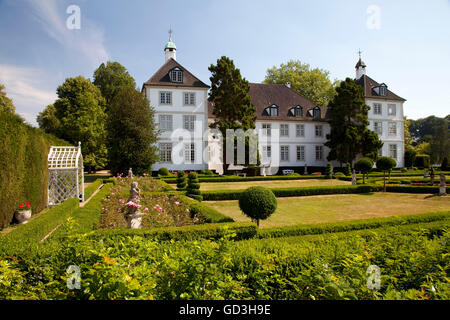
364, 165
207, 172
164, 172
339, 175
422, 161
181, 180
258, 203
207, 214
404, 170
385, 164
348, 169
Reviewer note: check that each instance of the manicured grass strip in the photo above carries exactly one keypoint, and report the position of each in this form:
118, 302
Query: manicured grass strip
84, 219
294, 192
213, 231
299, 230
257, 178
36, 229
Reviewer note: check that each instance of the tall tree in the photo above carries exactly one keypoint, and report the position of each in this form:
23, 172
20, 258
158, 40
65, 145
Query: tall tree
5, 102
132, 133
349, 134
232, 104
314, 84
79, 115
110, 77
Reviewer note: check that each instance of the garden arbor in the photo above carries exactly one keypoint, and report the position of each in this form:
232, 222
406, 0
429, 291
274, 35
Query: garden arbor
65, 174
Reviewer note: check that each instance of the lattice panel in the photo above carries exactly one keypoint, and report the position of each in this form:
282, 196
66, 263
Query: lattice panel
62, 185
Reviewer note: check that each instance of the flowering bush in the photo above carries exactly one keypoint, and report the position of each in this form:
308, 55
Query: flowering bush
25, 206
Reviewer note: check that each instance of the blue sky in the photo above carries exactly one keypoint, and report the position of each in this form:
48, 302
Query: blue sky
405, 44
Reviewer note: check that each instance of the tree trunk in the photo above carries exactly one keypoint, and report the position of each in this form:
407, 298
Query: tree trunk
257, 222
384, 173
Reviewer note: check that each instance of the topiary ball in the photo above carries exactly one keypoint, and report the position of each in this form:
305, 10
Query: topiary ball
258, 203
163, 172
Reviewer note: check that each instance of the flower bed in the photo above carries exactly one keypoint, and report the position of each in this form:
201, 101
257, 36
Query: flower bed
161, 209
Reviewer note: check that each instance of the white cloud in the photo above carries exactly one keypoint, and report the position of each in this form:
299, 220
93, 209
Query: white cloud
24, 87
87, 41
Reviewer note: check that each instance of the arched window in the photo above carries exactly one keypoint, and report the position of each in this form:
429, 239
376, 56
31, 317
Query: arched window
272, 110
176, 75
316, 113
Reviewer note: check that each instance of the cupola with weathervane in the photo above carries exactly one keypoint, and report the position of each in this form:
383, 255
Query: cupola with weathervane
170, 50
360, 67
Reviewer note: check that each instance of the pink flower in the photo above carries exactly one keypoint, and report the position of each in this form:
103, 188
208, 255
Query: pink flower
132, 204
177, 202
122, 201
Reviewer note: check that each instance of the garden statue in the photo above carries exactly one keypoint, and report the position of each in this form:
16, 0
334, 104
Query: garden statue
432, 176
306, 170
442, 187
263, 171
354, 178
133, 215
130, 173
425, 173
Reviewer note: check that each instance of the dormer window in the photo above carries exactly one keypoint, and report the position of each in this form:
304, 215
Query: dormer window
272, 111
176, 75
297, 111
381, 90
316, 113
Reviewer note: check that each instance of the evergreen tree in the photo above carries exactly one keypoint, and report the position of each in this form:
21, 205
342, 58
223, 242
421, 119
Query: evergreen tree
181, 180
193, 187
348, 169
232, 105
349, 135
329, 171
132, 133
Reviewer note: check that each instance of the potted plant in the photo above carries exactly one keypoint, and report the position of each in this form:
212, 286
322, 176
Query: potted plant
24, 213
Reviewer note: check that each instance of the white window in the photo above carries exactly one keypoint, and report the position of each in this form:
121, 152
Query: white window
300, 130
189, 122
319, 153
165, 122
165, 97
316, 113
176, 75
165, 152
189, 152
284, 130
189, 98
266, 129
300, 153
380, 152
392, 109
298, 111
267, 152
383, 90
284, 153
272, 110
393, 151
392, 129
378, 127
377, 108
319, 131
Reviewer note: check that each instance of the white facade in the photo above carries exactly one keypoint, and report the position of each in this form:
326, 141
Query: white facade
386, 118
184, 124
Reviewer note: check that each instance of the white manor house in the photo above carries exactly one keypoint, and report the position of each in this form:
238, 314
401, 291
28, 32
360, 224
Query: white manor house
295, 127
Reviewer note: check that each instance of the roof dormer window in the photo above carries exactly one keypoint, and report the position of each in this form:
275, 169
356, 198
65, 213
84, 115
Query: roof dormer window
316, 113
176, 75
381, 90
297, 111
272, 111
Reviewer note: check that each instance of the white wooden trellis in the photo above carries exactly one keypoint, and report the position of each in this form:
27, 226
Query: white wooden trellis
65, 174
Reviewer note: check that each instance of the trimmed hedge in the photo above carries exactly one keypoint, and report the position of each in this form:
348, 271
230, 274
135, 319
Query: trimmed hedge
31, 233
300, 230
92, 188
294, 192
23, 163
413, 189
209, 215
239, 178
212, 231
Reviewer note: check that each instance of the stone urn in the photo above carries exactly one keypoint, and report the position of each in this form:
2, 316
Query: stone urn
22, 216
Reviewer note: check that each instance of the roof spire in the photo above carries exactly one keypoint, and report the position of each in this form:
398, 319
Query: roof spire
170, 33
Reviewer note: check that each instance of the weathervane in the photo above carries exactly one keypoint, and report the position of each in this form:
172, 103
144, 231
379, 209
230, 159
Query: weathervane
170, 33
359, 52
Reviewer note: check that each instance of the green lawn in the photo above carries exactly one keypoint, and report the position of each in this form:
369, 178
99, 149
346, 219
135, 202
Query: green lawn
333, 208
211, 186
